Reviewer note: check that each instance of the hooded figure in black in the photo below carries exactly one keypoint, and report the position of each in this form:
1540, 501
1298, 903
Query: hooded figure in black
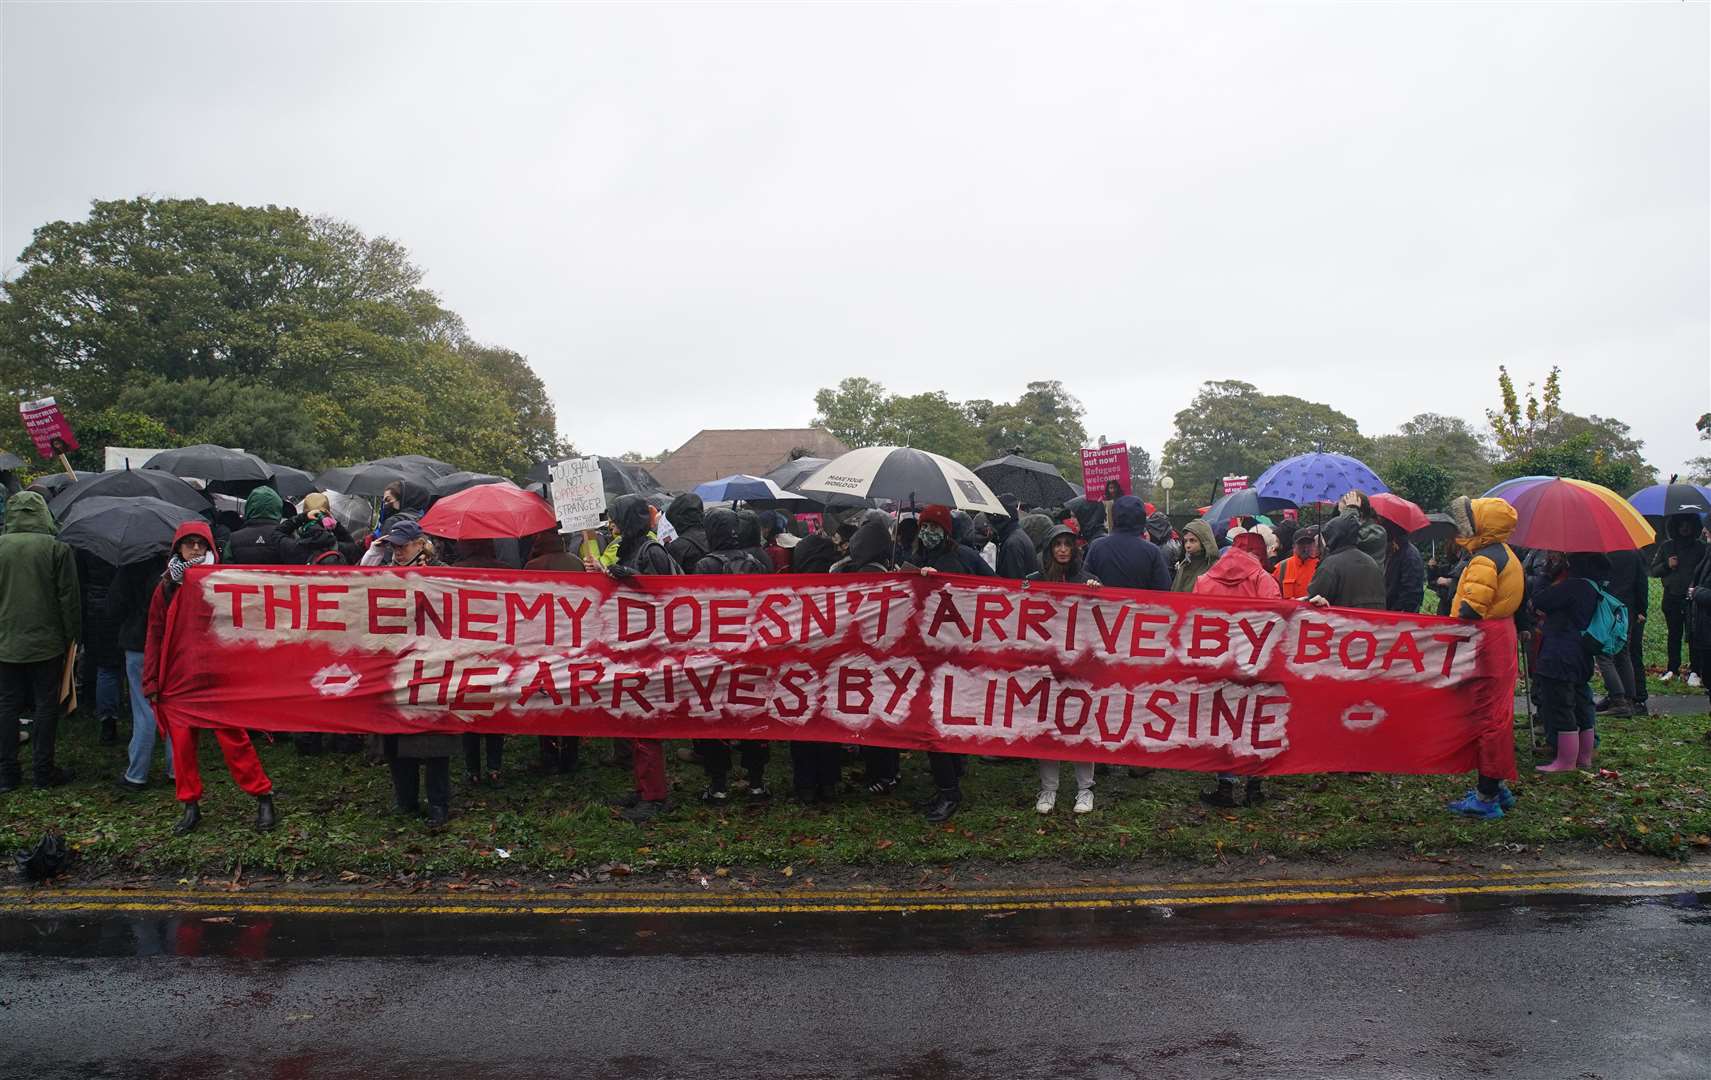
1126, 558
639, 551
815, 554
871, 547
1089, 516
686, 514
726, 553
1404, 575
1158, 531
1017, 558
871, 551
1347, 576
1676, 561
725, 533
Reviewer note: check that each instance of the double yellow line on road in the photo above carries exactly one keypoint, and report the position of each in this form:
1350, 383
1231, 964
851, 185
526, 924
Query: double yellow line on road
803, 900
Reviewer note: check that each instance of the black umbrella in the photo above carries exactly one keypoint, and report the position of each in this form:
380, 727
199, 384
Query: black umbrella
10, 462
130, 483
1244, 503
616, 477
211, 463
123, 529
367, 478
458, 481
53, 483
791, 474
419, 464
1034, 482
292, 483
1442, 527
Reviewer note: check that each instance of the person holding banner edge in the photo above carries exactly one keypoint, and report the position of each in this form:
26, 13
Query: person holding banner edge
1491, 586
639, 552
193, 545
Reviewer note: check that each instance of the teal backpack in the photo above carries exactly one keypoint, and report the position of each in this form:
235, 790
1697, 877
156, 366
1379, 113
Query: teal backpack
1607, 633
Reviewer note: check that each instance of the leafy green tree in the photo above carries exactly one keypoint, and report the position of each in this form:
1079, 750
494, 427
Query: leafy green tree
272, 299
228, 412
1537, 438
1141, 478
1448, 443
1231, 428
1044, 424
857, 412
1423, 482
934, 423
103, 428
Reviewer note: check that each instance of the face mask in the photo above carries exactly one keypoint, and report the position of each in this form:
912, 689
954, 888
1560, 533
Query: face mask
931, 536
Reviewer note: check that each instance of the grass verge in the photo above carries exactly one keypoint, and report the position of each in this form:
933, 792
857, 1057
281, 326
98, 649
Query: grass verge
1651, 797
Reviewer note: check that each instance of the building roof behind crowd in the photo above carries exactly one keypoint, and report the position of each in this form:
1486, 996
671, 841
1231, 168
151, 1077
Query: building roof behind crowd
714, 453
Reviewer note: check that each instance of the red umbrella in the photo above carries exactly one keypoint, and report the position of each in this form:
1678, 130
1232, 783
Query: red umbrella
489, 511
1399, 512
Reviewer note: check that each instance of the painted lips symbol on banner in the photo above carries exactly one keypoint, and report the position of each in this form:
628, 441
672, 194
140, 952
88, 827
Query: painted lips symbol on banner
335, 681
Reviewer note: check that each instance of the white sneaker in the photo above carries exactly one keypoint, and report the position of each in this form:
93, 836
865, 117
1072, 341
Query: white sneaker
1084, 802
1666, 676
1047, 802
1694, 681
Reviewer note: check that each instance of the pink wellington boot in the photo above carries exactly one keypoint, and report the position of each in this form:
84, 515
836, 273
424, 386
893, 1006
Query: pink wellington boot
1588, 740
1568, 752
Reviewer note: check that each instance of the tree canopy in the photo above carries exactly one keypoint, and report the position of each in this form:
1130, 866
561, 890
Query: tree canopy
1231, 428
1044, 423
308, 342
1537, 438
1433, 457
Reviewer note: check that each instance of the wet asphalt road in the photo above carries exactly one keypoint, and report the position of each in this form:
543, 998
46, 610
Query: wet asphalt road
1559, 986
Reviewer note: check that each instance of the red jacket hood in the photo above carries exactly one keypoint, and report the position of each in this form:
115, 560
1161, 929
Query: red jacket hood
1237, 573
196, 528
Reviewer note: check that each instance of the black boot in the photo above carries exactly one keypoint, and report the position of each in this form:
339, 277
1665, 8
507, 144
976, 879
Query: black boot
192, 818
1224, 795
1254, 795
109, 730
438, 814
265, 818
945, 805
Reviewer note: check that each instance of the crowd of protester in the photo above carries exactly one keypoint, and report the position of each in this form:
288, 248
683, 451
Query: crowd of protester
52, 598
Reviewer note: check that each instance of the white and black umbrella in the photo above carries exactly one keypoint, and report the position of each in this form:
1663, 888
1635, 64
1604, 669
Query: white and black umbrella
906, 476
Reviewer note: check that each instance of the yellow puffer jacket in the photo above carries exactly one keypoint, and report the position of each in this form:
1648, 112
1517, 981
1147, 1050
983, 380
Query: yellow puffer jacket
1492, 584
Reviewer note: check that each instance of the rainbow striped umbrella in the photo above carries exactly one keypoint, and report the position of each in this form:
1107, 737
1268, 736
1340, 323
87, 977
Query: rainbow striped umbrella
1574, 515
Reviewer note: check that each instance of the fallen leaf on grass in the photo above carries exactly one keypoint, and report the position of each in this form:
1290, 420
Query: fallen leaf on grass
881, 845
788, 871
349, 875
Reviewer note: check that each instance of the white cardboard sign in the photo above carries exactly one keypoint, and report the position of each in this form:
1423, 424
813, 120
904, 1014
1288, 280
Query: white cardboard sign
579, 496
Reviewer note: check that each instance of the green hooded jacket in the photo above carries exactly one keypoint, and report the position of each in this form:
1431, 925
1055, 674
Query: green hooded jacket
1195, 565
40, 615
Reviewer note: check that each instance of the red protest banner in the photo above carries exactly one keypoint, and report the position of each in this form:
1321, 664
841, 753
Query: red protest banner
944, 662
47, 427
1102, 464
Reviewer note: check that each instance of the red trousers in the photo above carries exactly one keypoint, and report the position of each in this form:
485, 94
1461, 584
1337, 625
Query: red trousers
241, 759
648, 758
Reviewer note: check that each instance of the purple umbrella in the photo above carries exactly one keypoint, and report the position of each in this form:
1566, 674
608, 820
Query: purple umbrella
1316, 478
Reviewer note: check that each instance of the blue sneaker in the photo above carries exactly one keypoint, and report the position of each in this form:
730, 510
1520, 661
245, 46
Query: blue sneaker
1471, 805
1505, 797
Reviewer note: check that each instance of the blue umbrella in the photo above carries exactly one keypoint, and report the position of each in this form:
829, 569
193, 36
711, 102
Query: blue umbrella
1665, 500
1316, 478
1244, 503
741, 486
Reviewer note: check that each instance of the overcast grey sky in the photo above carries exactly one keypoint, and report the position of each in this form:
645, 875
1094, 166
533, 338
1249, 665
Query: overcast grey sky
695, 215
